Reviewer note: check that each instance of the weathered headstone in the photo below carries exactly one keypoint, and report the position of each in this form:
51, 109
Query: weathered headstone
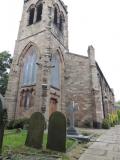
71, 109
3, 119
35, 131
57, 132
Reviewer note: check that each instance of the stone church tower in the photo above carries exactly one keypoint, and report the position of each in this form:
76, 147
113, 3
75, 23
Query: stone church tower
37, 73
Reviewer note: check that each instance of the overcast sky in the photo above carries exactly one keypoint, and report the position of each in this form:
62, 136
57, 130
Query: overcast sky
95, 22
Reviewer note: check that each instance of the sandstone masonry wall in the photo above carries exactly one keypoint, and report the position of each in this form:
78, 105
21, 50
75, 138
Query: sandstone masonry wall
78, 87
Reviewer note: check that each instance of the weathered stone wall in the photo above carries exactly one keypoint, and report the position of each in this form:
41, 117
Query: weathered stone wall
78, 87
95, 89
86, 85
107, 93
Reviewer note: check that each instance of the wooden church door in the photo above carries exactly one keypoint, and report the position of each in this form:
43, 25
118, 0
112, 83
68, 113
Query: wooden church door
53, 106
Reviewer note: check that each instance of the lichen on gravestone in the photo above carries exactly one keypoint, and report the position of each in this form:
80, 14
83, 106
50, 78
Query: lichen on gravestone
57, 132
35, 131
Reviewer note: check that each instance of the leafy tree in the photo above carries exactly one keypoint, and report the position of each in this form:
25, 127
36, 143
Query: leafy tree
5, 61
118, 103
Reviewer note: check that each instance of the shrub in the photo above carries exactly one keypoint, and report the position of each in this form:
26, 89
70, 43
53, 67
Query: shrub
106, 123
19, 123
113, 119
118, 113
110, 121
10, 124
87, 124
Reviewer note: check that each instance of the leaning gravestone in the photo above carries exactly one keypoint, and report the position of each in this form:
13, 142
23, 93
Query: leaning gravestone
3, 120
57, 132
35, 131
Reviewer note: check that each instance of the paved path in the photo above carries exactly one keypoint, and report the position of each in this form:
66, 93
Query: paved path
107, 147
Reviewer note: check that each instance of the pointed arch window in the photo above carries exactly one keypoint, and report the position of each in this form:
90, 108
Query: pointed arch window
30, 67
61, 22
39, 12
55, 72
31, 16
55, 16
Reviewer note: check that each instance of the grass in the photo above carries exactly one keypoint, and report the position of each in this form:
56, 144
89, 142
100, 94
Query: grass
14, 142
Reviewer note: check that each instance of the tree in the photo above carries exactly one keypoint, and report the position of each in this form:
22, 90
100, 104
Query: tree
5, 61
118, 103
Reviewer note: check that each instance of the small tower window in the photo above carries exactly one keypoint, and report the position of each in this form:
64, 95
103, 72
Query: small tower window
55, 16
39, 12
61, 22
31, 16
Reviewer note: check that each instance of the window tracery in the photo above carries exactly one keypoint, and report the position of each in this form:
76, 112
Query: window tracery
27, 98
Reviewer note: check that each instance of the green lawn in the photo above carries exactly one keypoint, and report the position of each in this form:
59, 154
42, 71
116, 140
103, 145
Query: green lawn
15, 142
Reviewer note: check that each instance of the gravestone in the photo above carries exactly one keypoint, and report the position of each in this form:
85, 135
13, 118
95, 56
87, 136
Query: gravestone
35, 131
3, 120
71, 109
57, 132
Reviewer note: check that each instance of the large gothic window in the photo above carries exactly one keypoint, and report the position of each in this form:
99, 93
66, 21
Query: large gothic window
55, 72
30, 67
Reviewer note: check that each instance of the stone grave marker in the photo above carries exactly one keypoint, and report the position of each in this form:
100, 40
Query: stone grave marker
57, 132
35, 131
71, 131
71, 109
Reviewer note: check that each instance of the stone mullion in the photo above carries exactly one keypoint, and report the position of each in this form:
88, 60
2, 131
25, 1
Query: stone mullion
35, 15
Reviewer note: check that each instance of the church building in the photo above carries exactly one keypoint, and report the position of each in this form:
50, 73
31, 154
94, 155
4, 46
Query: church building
45, 77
